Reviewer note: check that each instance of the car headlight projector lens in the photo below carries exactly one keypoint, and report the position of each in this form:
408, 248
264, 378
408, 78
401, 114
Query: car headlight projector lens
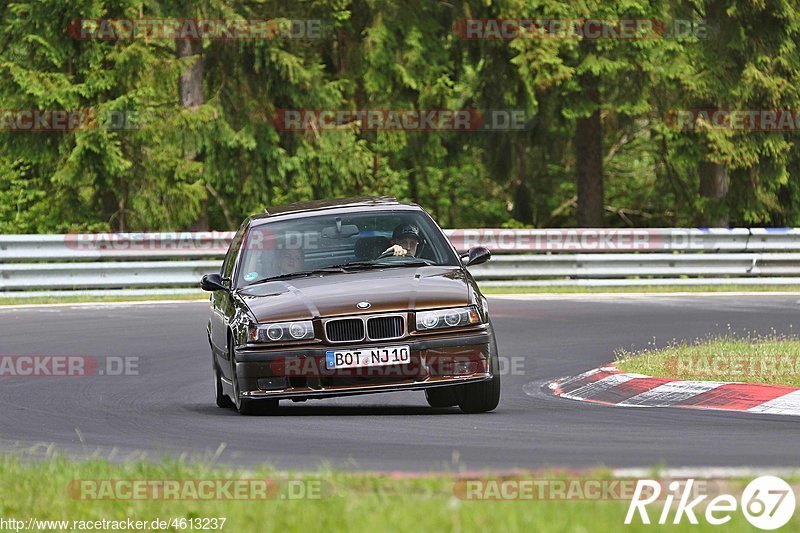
282, 331
447, 318
298, 330
274, 332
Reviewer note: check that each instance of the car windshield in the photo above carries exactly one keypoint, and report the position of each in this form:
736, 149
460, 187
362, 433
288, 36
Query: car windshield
341, 242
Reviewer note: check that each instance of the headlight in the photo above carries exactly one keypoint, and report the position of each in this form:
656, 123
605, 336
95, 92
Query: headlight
282, 331
300, 330
447, 318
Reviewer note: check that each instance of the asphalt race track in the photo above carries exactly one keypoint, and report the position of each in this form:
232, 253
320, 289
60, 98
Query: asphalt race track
168, 407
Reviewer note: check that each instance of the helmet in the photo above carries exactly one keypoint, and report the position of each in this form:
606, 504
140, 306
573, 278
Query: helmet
406, 230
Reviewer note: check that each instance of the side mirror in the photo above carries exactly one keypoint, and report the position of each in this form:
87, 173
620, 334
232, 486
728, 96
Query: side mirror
476, 256
212, 282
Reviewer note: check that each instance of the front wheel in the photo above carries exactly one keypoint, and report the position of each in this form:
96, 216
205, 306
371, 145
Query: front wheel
480, 397
442, 396
484, 396
222, 399
248, 406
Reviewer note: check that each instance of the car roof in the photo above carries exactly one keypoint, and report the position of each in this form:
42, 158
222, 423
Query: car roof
357, 203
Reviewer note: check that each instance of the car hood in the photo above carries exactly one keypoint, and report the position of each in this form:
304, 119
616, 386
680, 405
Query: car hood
391, 289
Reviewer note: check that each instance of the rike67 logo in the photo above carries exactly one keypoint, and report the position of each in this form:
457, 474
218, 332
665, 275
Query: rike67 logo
768, 502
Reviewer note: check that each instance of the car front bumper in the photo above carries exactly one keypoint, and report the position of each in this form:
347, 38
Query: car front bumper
301, 373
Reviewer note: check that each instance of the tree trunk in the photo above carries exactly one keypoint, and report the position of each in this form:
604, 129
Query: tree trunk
190, 87
714, 180
191, 82
413, 189
714, 183
589, 159
453, 206
522, 195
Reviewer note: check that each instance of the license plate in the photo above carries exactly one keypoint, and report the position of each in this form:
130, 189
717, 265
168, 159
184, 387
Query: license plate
387, 355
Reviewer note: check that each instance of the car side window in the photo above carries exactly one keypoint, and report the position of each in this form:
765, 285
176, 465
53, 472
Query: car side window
230, 257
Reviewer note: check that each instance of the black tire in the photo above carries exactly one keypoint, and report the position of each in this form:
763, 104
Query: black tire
259, 407
248, 406
484, 396
222, 399
442, 396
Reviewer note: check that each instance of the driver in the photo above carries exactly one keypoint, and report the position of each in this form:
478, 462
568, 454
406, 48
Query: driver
291, 261
405, 240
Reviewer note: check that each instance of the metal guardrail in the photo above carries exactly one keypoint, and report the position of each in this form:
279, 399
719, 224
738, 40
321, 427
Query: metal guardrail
167, 245
628, 240
30, 264
100, 246
108, 275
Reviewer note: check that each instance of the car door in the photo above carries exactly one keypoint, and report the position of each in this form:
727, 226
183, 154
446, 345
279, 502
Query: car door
222, 308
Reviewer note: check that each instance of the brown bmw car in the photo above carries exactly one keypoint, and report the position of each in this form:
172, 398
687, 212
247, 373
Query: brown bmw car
349, 296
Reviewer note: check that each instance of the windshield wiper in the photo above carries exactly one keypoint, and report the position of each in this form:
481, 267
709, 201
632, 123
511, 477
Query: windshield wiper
344, 267
298, 274
412, 261
357, 264
417, 261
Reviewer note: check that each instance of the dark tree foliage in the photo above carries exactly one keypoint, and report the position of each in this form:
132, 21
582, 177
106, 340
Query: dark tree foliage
600, 144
